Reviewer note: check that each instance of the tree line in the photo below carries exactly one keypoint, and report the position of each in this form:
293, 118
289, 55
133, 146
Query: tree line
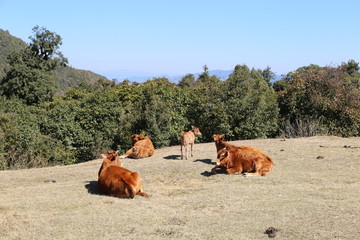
38, 128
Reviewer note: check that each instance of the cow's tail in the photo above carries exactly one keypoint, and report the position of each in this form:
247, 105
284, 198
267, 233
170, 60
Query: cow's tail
143, 194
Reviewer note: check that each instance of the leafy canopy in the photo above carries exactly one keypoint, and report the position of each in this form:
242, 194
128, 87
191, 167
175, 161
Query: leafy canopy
29, 77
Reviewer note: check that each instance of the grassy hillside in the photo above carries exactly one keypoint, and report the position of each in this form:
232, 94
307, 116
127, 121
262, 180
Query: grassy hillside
67, 76
8, 45
312, 193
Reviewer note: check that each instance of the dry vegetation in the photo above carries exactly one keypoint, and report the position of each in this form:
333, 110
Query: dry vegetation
313, 193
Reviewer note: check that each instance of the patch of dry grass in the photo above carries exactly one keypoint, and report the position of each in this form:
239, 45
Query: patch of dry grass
312, 193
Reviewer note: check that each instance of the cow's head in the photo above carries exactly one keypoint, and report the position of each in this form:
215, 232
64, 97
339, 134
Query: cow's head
112, 158
222, 156
219, 137
135, 138
196, 131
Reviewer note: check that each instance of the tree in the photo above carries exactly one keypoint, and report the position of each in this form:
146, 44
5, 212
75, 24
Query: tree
45, 47
351, 67
160, 111
30, 77
328, 96
251, 104
207, 107
188, 81
29, 84
268, 75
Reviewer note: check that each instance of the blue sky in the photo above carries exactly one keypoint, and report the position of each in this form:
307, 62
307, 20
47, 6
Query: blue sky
179, 37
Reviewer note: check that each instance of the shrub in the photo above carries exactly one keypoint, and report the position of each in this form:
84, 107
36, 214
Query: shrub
327, 93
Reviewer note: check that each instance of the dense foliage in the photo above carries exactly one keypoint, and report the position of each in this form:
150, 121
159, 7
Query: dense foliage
90, 119
40, 129
65, 76
321, 100
29, 77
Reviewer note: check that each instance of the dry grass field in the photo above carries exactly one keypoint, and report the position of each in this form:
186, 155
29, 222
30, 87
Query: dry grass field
312, 193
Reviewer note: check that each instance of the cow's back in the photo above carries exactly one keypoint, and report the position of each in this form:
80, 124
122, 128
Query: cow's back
249, 157
243, 157
144, 148
187, 138
118, 181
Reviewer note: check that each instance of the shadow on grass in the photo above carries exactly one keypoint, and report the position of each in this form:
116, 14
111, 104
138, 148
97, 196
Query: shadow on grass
173, 157
210, 173
207, 161
92, 187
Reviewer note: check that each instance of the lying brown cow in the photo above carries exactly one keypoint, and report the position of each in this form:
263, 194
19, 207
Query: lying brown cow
188, 138
142, 147
243, 160
117, 181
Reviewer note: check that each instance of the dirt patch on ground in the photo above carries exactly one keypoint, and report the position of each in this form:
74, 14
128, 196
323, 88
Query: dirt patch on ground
312, 193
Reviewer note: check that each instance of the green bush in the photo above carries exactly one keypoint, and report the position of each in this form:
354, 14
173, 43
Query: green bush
327, 94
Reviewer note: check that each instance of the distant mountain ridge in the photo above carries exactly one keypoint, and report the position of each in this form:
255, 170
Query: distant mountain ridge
138, 76
68, 77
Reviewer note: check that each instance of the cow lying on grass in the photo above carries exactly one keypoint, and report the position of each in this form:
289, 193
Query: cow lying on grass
142, 147
243, 160
188, 138
117, 181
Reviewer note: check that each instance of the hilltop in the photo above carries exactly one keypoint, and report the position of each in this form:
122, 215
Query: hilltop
312, 193
67, 76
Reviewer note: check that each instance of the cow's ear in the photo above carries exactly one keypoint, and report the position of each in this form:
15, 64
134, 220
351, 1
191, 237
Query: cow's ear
103, 156
222, 136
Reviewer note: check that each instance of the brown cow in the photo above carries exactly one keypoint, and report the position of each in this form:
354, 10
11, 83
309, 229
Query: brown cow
220, 144
243, 160
117, 181
188, 138
142, 147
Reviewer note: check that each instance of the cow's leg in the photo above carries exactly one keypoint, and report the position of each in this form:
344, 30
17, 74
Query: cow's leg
137, 186
186, 151
267, 165
248, 174
191, 145
234, 170
181, 148
143, 194
127, 154
220, 166
121, 189
258, 168
123, 195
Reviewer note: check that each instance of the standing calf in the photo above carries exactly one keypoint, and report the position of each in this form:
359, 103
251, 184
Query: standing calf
188, 138
117, 181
